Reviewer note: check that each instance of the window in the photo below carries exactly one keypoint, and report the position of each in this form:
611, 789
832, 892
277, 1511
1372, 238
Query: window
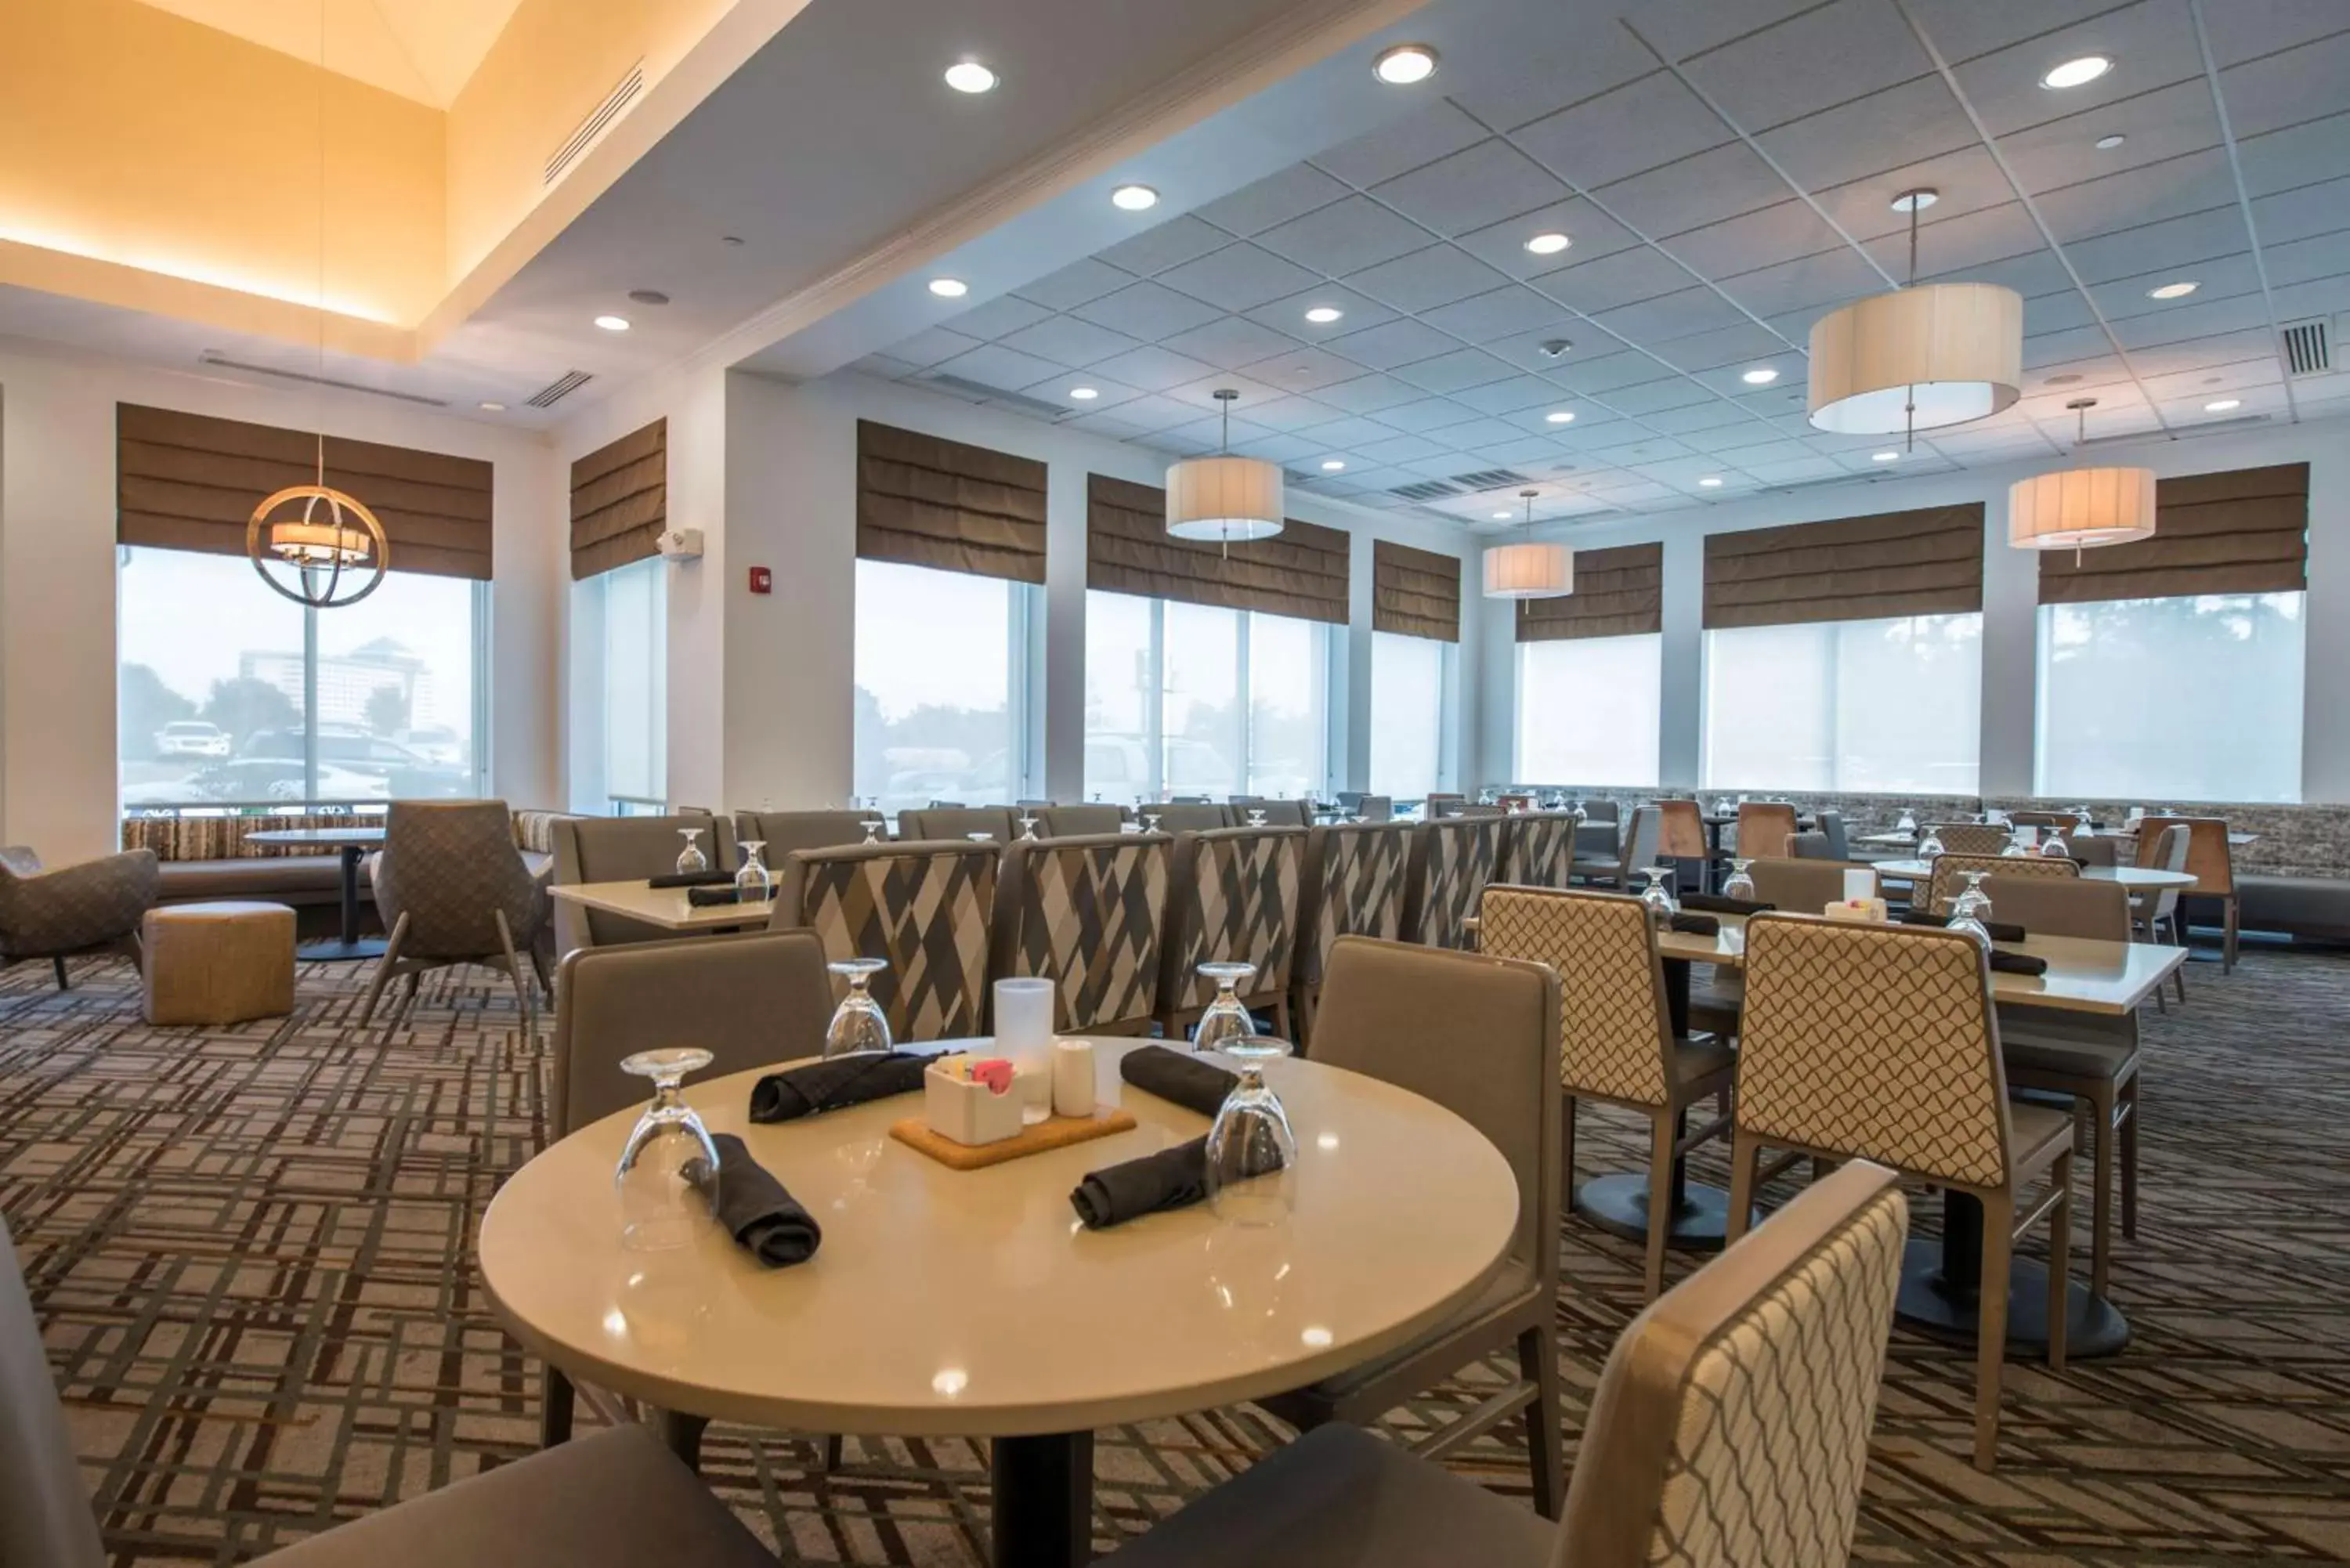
2190, 699
619, 718
942, 678
1191, 699
1406, 714
1590, 711
1864, 705
219, 680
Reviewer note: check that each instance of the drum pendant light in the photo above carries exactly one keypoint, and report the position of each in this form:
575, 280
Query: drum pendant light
1919, 358
1224, 498
1529, 569
2081, 508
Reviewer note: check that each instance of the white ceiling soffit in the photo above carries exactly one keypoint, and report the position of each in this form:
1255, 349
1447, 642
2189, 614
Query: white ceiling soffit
420, 50
1724, 173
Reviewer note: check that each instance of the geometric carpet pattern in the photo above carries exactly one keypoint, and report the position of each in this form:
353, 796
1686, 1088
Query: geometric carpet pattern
251, 1249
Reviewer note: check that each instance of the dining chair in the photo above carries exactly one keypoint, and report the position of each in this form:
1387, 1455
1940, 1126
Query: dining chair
1616, 1044
1729, 1429
625, 849
1188, 817
2212, 863
1801, 886
2157, 913
1880, 1042
1452, 861
1080, 821
1968, 838
453, 889
784, 831
1083, 912
1809, 846
1765, 827
1353, 883
1950, 873
616, 1499
95, 906
1278, 813
926, 909
1680, 831
2067, 823
1540, 851
1830, 826
1606, 811
2096, 851
2089, 1059
943, 825
1232, 898
1377, 809
749, 1000
1443, 805
1479, 1035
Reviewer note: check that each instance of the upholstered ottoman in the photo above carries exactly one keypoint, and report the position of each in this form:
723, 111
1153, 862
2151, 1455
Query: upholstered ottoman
218, 963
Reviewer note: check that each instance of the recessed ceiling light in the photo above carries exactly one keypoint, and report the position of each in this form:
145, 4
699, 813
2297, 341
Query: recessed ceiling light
1332, 465
1548, 243
2179, 290
2066, 379
1885, 457
1405, 64
969, 76
1322, 315
1711, 481
2079, 72
1560, 417
2222, 405
1501, 516
2107, 144
1915, 200
1085, 394
949, 287
1134, 198
1760, 375
493, 408
613, 323
648, 296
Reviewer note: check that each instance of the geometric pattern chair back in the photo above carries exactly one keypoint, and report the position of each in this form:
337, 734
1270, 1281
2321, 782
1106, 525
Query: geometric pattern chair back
1730, 1427
1355, 880
1764, 827
1874, 1040
1451, 862
1232, 896
1540, 851
1084, 913
1615, 1034
925, 909
1969, 837
1951, 874
450, 867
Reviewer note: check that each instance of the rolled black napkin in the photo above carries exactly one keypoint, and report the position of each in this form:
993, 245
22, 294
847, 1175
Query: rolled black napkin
755, 1208
1178, 1075
1715, 904
2018, 964
692, 878
1172, 1178
1999, 930
1696, 925
704, 898
844, 1081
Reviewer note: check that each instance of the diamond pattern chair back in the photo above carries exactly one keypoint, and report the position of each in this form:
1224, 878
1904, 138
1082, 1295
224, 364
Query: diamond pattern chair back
1354, 884
1874, 1040
450, 867
1968, 838
1232, 898
925, 909
1764, 828
1616, 1039
1084, 913
784, 831
45, 1513
1451, 862
1950, 874
1730, 1427
1541, 849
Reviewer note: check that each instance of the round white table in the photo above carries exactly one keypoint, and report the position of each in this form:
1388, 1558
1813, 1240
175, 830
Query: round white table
352, 844
975, 1303
2137, 880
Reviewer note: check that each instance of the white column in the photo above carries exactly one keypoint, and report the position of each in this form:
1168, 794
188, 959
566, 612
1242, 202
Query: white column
1063, 690
1352, 699
1683, 660
2011, 674
2325, 715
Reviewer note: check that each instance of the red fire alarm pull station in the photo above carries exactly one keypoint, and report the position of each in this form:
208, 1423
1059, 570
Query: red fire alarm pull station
762, 580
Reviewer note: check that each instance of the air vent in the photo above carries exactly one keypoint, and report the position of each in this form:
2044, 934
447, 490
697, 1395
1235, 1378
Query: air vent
2308, 348
1492, 479
560, 388
224, 362
1425, 490
957, 384
623, 93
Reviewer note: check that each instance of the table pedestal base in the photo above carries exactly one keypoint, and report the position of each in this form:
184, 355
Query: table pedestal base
1044, 1500
1946, 1305
330, 951
1620, 1206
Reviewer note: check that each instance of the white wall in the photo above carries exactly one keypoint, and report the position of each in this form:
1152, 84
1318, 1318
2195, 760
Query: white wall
57, 787
2011, 597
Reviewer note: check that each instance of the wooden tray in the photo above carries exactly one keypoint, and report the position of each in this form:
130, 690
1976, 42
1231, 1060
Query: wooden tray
1055, 1132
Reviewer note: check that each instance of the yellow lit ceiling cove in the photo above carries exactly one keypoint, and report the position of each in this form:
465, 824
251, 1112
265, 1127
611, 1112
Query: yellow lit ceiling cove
422, 49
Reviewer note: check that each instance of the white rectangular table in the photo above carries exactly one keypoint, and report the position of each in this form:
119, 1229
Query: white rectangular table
667, 907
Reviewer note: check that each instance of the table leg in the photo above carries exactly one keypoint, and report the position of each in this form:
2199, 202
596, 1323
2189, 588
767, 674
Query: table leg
351, 945
683, 1435
1941, 1293
1044, 1500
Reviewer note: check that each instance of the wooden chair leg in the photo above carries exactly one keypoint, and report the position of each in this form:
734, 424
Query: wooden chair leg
2128, 1138
1745, 1156
2060, 1260
1661, 1198
1991, 1322
1566, 1154
521, 982
1545, 1445
2231, 909
833, 1452
2101, 1192
58, 963
383, 968
683, 1433
555, 1410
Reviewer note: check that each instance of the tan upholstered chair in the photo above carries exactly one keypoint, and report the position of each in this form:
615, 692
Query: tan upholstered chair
1801, 886
1452, 861
2067, 823
2098, 851
1880, 1042
1478, 1036
1353, 884
625, 849
1968, 838
92, 908
1949, 877
1766, 828
1616, 1044
2213, 863
781, 832
2156, 914
1540, 851
453, 889
1437, 806
1680, 831
1080, 821
1186, 816
945, 824
926, 909
1232, 898
1085, 913
1730, 1430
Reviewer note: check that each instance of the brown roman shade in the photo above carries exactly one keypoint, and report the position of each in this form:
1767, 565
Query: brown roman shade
619, 501
2243, 532
1928, 562
924, 502
190, 482
1300, 572
1415, 592
1619, 592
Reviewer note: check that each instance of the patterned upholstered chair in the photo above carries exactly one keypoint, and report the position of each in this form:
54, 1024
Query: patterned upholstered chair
1765, 829
1730, 1430
1353, 884
781, 832
625, 849
1232, 896
1616, 1044
945, 824
926, 909
1541, 849
2213, 863
1949, 877
1085, 913
453, 889
92, 908
1452, 861
1078, 821
1968, 838
1879, 1042
1479, 1037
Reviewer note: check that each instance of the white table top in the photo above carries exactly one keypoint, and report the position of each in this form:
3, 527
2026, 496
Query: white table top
2137, 880
665, 906
2083, 976
974, 1303
325, 837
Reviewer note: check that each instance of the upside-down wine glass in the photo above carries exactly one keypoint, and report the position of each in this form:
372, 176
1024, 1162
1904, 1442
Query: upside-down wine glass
1251, 1152
1225, 1019
1257, 817
752, 881
1908, 823
667, 1150
1930, 846
859, 1025
872, 826
690, 859
2021, 842
1659, 897
2053, 847
1971, 908
1150, 822
1027, 826
1740, 885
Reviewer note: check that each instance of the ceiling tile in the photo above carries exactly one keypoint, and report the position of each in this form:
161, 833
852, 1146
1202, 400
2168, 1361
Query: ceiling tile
1452, 372
1201, 394
1480, 433
1426, 414
1700, 190
1753, 240
1655, 397
1369, 394
1167, 245
1303, 369
1066, 340
1678, 315
1403, 144
1592, 233
999, 318
1238, 277
1275, 199
2215, 277
1830, 278
2302, 155
1351, 434
2158, 246
2165, 123
1281, 449
1472, 189
1649, 122
1796, 471
1593, 425
1965, 181
1056, 390
992, 366
1712, 414
1344, 236
1290, 414
2296, 214
2303, 261
2051, 348
1149, 311
1680, 28
1154, 413
2200, 182
1231, 342
1400, 449
1546, 69
1968, 240
884, 366
1108, 425
1357, 311
1425, 279
1963, 29
1075, 284
1212, 433
2154, 44
932, 345
1546, 351
2307, 83
2241, 31
1500, 313
1741, 344
1393, 343
1153, 368
1810, 61
1905, 124
2055, 312
1601, 373
1524, 452
1509, 395
1624, 278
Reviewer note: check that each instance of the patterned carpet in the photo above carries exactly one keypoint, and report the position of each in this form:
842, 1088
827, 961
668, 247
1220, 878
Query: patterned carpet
252, 1250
